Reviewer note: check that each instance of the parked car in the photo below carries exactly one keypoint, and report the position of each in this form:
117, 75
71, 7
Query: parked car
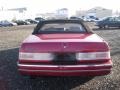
13, 23
64, 48
109, 22
91, 19
21, 22
77, 18
31, 21
39, 19
5, 23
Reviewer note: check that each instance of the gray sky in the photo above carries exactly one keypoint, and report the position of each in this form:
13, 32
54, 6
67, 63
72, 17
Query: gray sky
43, 6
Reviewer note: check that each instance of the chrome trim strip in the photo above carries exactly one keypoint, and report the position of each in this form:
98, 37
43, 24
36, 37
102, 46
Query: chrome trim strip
64, 70
100, 65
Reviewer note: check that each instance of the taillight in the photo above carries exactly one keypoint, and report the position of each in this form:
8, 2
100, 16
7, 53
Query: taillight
93, 55
36, 56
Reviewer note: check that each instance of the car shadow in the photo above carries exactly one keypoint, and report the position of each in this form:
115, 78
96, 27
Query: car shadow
58, 83
12, 80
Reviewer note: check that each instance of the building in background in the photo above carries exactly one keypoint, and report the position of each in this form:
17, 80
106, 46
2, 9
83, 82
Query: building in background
8, 15
14, 13
80, 13
62, 13
46, 15
58, 14
98, 12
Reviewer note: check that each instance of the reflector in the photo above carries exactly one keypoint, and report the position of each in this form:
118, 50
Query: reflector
36, 56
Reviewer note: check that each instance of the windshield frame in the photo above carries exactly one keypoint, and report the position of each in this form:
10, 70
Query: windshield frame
42, 23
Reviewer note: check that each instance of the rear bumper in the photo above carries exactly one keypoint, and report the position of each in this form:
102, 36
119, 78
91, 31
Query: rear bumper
66, 70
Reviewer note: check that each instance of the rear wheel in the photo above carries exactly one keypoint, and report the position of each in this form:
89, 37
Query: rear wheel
32, 77
106, 26
100, 27
10, 25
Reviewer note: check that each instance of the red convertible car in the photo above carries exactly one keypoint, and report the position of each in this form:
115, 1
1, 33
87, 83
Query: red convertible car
64, 48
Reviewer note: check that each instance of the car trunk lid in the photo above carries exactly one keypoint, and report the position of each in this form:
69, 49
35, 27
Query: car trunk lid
64, 47
64, 43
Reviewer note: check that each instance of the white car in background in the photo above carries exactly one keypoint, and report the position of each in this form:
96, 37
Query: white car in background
14, 24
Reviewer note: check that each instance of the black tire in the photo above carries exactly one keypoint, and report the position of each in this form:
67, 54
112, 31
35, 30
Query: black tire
32, 77
10, 25
100, 27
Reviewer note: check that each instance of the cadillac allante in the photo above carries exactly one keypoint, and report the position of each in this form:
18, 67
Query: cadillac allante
64, 48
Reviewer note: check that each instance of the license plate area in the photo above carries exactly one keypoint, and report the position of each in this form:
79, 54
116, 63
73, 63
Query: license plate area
64, 58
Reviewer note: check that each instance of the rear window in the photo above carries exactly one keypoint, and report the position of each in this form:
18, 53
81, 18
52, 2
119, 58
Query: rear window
62, 28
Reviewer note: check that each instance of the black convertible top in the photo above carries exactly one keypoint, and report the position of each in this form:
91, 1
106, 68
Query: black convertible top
41, 23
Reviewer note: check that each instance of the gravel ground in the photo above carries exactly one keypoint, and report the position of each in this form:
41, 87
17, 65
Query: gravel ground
10, 79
